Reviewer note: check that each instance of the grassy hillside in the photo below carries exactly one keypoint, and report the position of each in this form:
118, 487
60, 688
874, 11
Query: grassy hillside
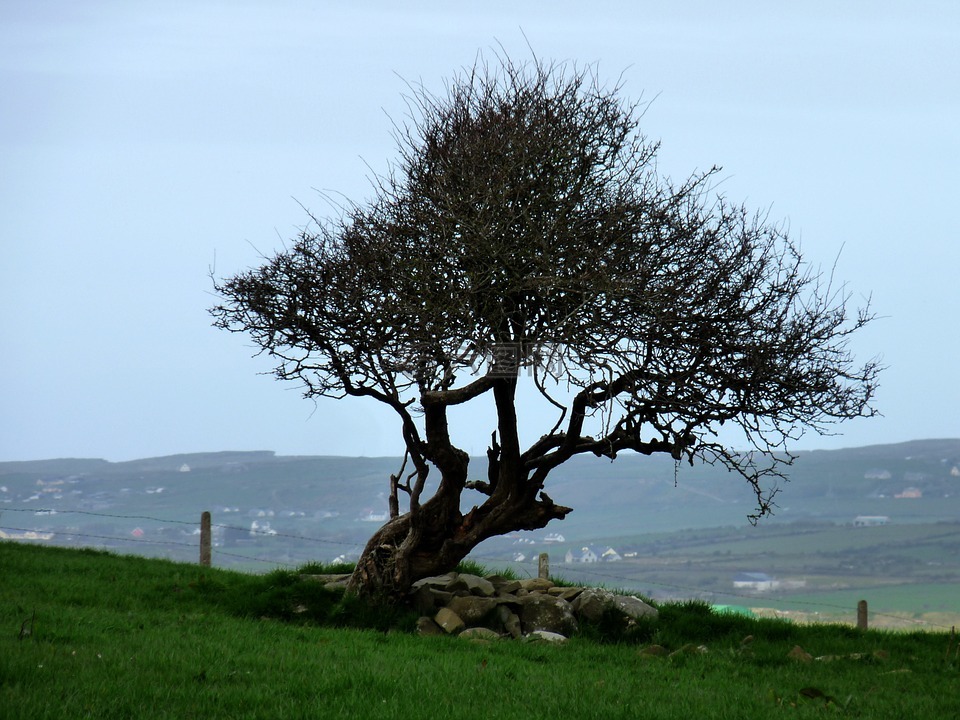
86, 634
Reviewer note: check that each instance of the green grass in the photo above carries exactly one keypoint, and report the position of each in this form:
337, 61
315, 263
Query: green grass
124, 637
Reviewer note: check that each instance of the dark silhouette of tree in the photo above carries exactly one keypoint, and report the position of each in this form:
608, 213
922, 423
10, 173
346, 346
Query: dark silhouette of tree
525, 235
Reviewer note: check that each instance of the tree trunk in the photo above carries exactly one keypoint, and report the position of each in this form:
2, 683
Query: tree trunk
399, 554
437, 537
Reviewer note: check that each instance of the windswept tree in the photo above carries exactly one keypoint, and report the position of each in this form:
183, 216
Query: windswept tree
524, 235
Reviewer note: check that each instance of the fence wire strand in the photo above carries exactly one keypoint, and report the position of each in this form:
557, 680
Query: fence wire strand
251, 531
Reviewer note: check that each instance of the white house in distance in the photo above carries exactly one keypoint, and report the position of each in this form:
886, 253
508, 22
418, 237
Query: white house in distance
27, 535
910, 492
583, 555
870, 520
592, 554
756, 581
258, 529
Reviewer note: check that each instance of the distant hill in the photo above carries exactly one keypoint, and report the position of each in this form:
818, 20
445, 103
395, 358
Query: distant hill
341, 500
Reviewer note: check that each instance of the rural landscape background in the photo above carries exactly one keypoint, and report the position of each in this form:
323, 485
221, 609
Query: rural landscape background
877, 523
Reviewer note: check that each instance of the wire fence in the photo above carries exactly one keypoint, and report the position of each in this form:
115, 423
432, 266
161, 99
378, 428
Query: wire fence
187, 551
133, 540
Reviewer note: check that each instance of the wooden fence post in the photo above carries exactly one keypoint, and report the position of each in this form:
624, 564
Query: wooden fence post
544, 569
205, 539
862, 615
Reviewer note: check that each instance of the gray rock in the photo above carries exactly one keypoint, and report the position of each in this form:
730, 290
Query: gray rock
544, 612
330, 582
426, 599
569, 593
504, 586
475, 585
441, 582
472, 609
495, 606
509, 621
426, 626
544, 636
634, 607
480, 633
592, 603
324, 579
449, 621
691, 649
536, 584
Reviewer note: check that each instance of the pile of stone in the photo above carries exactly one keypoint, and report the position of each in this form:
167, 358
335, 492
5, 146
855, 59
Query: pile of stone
494, 606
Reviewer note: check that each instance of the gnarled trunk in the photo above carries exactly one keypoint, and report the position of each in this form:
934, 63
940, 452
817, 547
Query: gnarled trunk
397, 556
436, 537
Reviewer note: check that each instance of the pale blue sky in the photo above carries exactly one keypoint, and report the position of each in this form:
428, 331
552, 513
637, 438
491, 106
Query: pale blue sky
140, 143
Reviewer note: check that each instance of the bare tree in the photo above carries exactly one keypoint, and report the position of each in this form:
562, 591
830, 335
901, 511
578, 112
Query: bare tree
525, 235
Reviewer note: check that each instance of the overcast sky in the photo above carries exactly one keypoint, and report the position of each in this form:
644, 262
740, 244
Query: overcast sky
144, 144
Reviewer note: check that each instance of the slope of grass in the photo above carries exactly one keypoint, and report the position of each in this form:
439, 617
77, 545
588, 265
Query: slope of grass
85, 634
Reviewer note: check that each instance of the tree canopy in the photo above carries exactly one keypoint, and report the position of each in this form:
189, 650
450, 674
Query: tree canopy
524, 234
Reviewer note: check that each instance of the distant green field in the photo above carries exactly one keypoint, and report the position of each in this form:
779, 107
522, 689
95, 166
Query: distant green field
909, 569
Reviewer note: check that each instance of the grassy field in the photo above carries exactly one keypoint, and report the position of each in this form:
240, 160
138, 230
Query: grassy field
912, 570
88, 634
